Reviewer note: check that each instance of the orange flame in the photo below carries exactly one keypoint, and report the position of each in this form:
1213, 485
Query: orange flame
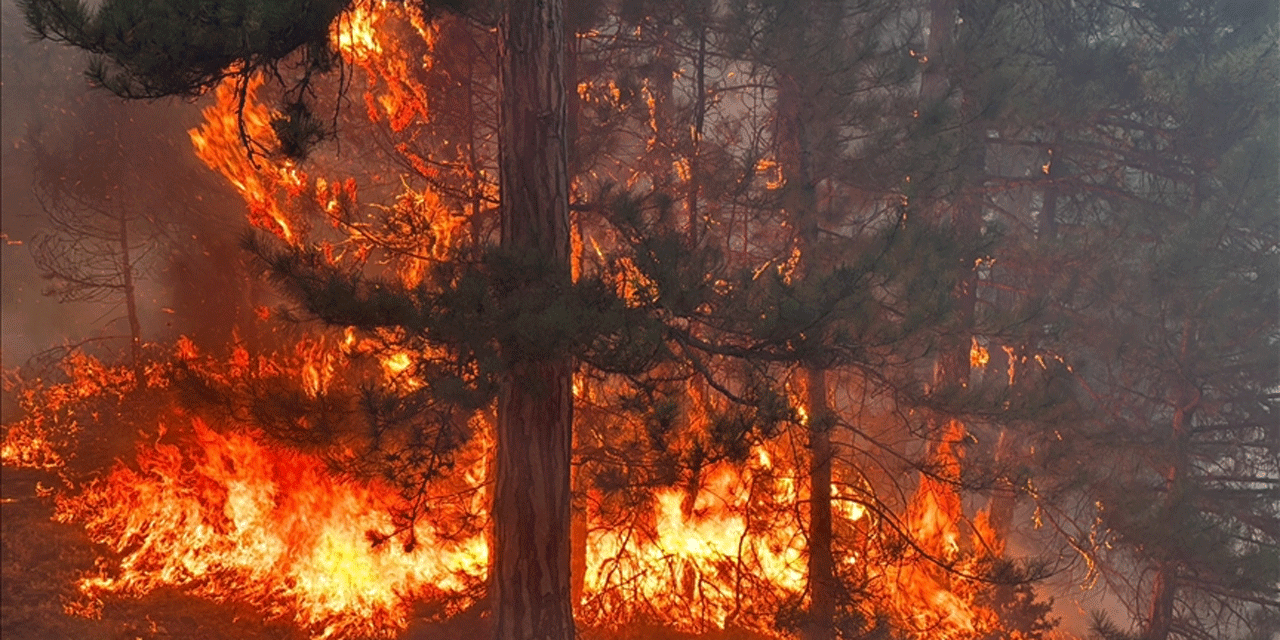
689, 567
265, 184
234, 519
933, 591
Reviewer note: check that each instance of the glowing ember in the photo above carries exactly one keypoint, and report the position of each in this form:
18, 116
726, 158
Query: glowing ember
47, 433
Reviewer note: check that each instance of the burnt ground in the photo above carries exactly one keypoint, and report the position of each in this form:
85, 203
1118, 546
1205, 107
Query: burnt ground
40, 561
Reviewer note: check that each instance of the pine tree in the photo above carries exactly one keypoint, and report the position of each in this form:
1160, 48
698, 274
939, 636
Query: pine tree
1154, 263
154, 50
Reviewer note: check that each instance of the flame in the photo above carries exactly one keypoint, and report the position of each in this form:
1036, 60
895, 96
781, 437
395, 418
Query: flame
978, 355
234, 519
689, 565
318, 367
27, 446
226, 516
632, 284
933, 590
52, 412
357, 35
265, 184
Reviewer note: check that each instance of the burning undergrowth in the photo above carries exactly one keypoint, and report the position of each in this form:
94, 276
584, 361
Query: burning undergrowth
327, 484
220, 510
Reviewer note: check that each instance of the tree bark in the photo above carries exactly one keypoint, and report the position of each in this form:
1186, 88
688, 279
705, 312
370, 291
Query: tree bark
532, 497
822, 579
796, 123
1164, 590
695, 139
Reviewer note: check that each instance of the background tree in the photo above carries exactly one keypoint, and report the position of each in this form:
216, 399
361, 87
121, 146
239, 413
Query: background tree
1189, 360
123, 206
1119, 125
96, 247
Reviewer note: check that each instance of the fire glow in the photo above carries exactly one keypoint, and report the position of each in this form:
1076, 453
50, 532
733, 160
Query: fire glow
226, 516
232, 518
223, 515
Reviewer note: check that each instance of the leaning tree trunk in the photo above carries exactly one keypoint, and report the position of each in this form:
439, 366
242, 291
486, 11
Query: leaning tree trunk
532, 499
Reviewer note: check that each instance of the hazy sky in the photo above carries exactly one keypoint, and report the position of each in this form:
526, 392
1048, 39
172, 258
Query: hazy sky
38, 81
42, 84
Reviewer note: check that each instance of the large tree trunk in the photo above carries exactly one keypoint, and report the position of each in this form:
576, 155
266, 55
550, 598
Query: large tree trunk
532, 498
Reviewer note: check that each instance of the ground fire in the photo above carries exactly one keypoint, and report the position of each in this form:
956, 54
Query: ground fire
221, 513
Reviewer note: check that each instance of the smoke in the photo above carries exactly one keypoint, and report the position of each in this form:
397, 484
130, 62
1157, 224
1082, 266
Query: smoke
191, 273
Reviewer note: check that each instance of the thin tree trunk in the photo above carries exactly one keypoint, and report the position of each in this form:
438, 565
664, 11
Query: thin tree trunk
942, 20
695, 152
131, 300
796, 121
1163, 591
532, 498
1165, 587
1004, 499
964, 213
475, 186
822, 580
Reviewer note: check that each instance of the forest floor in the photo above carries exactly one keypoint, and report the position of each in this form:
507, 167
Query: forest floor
40, 561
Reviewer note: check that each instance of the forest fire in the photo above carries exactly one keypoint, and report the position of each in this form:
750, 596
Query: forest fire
221, 514
743, 320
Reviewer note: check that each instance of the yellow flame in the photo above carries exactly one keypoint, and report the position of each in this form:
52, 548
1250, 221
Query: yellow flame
978, 355
235, 519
